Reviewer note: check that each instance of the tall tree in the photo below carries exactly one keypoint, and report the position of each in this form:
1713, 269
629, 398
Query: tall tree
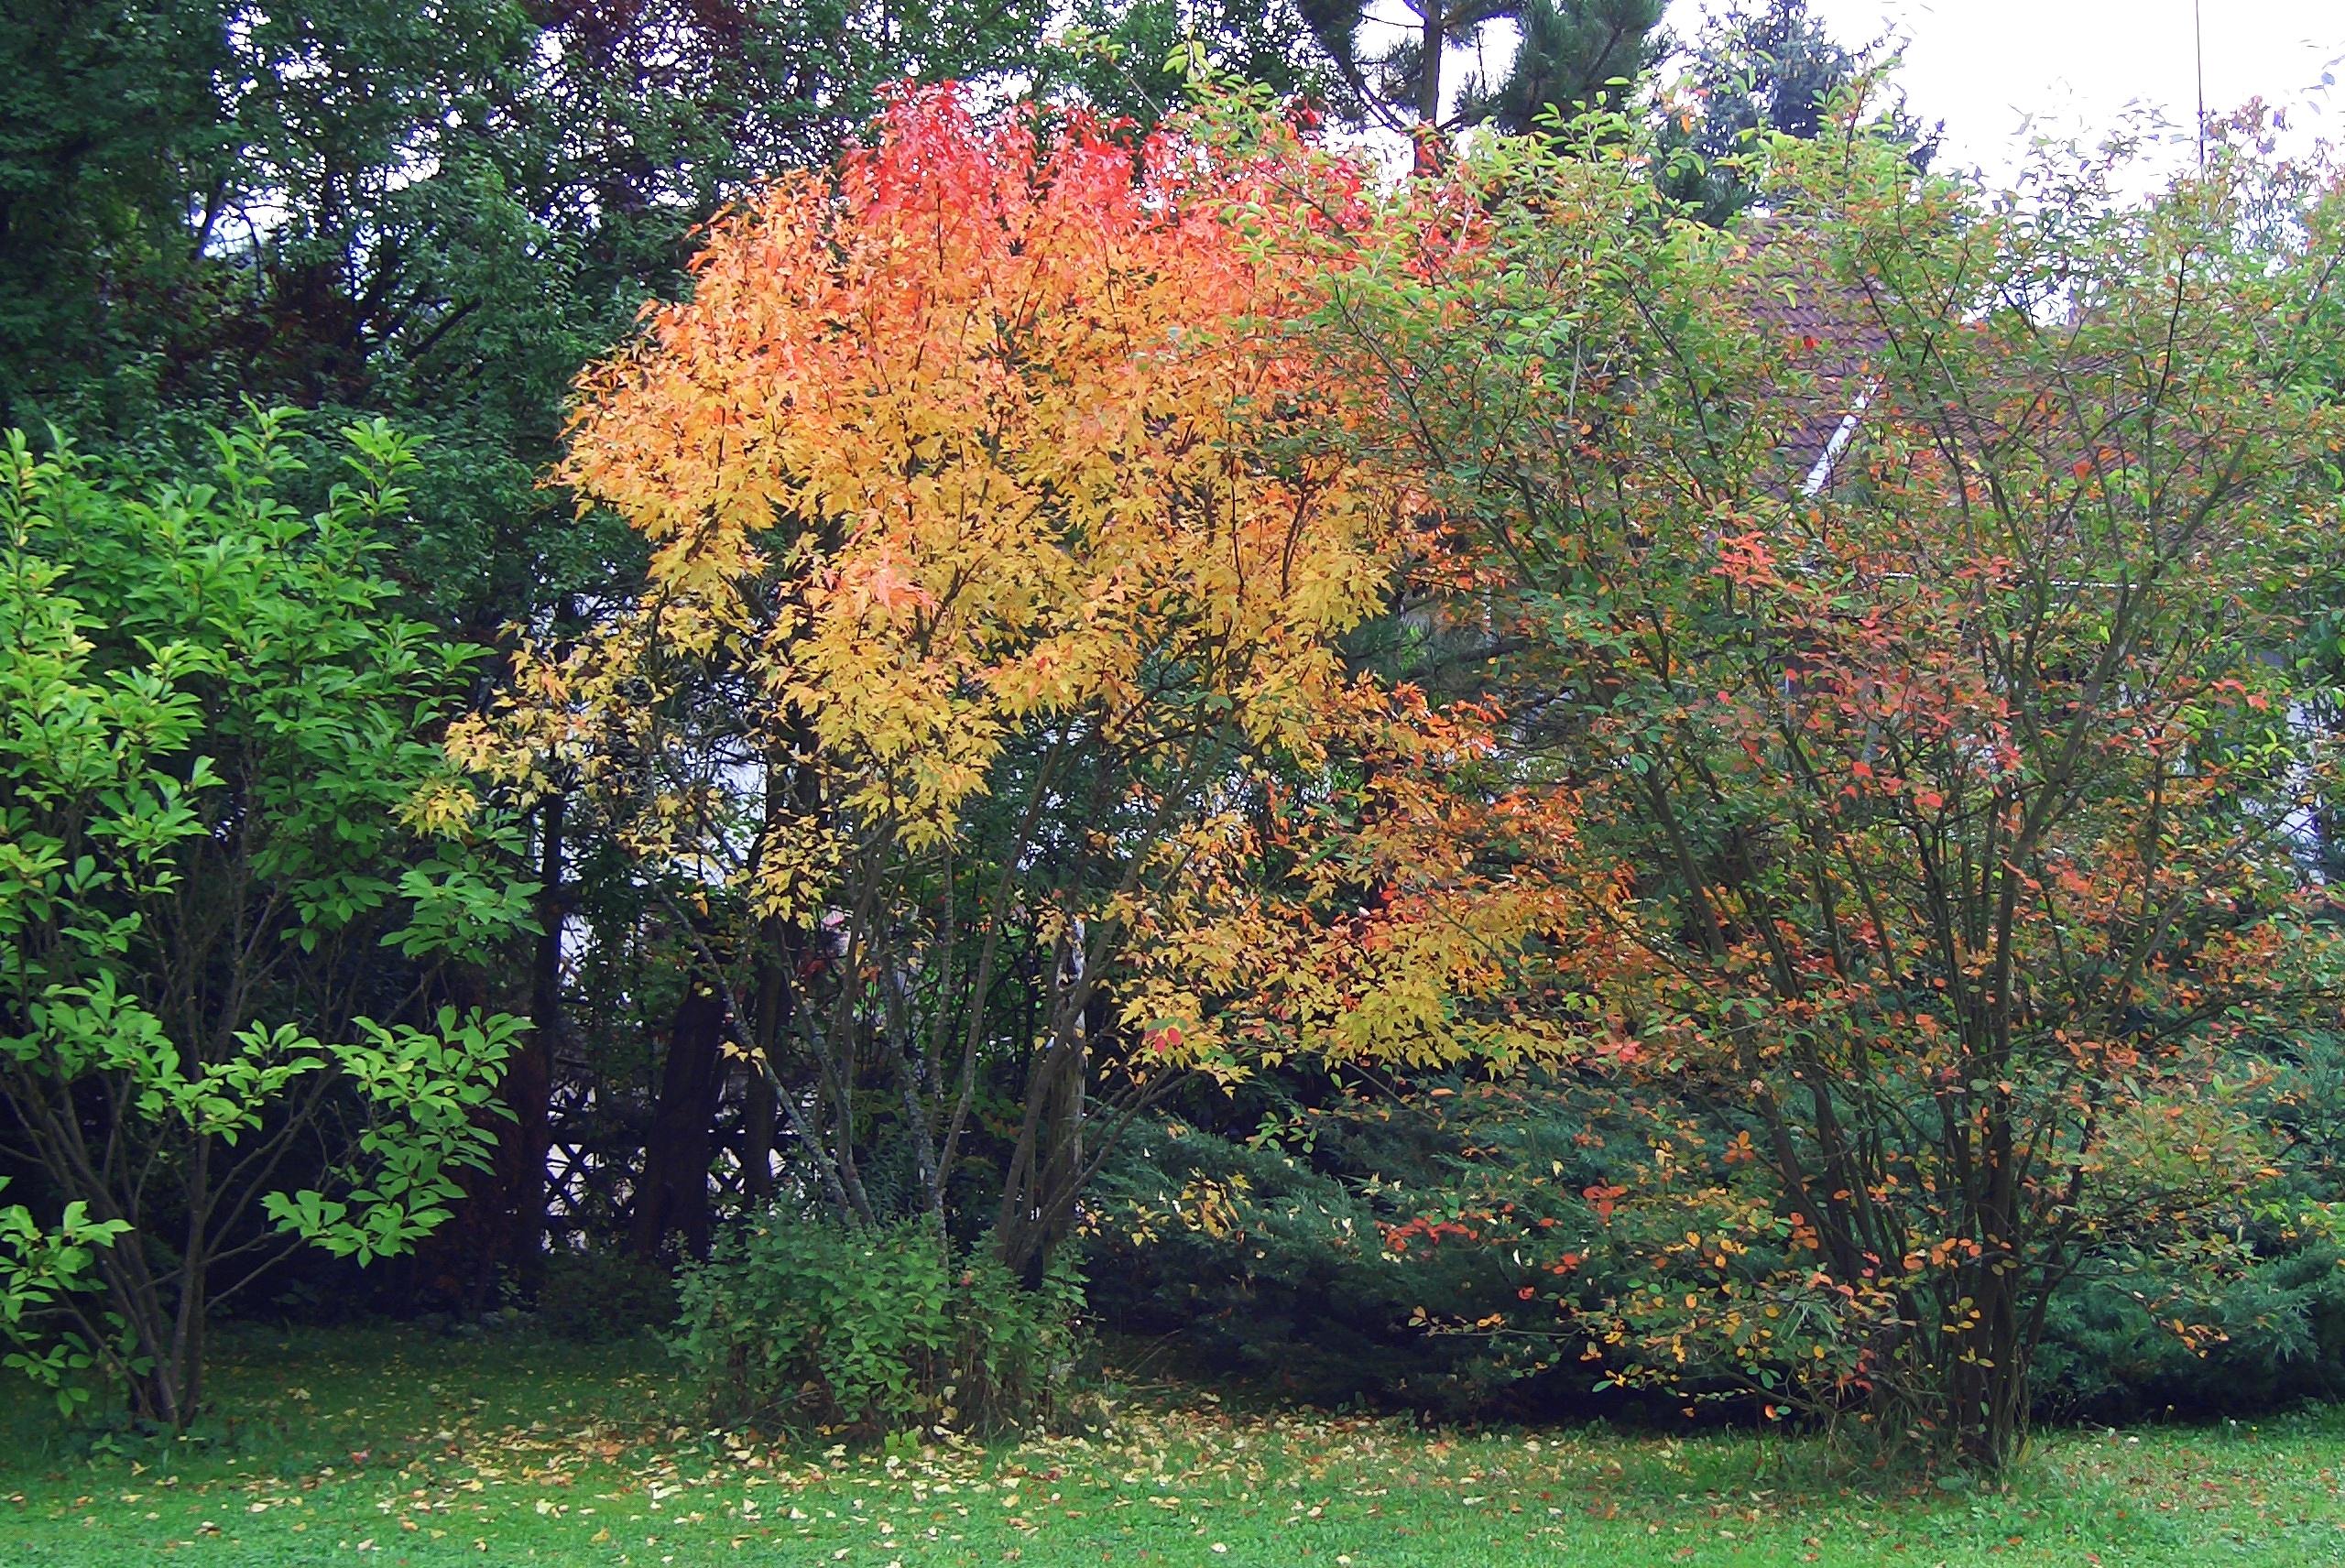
437, 210
1132, 59
1570, 57
1565, 55
105, 111
992, 607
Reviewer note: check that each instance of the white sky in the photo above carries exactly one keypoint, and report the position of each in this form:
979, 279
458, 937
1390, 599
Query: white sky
1999, 72
1985, 66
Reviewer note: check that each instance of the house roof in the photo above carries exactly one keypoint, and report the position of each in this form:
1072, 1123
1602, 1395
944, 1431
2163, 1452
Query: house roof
1831, 332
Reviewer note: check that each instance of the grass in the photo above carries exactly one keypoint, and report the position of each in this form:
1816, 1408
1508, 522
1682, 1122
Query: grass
409, 1448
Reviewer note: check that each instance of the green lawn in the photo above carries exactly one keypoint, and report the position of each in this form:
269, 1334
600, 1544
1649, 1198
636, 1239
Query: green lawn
409, 1448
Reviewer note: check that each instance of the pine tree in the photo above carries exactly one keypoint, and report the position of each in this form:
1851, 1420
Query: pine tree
1568, 51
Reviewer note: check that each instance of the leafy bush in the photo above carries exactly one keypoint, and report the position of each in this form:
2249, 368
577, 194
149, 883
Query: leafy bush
239, 880
2247, 1319
806, 1323
1385, 1254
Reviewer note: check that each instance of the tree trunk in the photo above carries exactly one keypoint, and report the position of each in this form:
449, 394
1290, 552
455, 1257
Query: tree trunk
760, 1119
1435, 39
778, 953
1987, 1388
673, 1196
1045, 1166
462, 1263
526, 1142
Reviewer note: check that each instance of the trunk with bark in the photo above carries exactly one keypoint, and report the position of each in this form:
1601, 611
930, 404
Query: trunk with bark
673, 1196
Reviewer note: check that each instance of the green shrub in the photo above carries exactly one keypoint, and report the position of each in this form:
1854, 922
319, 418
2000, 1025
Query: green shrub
2245, 1324
1283, 1263
805, 1323
238, 876
2269, 1339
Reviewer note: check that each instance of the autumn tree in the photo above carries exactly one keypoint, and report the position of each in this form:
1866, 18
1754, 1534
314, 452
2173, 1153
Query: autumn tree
992, 640
1903, 586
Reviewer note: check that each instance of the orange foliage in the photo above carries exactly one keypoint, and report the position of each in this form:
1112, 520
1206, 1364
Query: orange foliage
996, 420
994, 470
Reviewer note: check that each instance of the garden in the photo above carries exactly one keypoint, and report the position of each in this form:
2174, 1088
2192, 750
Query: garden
1149, 787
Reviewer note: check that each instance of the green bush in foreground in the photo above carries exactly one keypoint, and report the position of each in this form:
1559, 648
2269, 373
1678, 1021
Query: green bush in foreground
806, 1323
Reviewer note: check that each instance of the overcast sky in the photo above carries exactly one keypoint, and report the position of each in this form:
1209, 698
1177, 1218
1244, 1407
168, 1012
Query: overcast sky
1983, 65
1999, 71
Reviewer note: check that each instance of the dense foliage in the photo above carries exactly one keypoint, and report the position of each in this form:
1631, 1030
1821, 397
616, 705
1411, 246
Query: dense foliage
228, 907
1960, 781
1670, 763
